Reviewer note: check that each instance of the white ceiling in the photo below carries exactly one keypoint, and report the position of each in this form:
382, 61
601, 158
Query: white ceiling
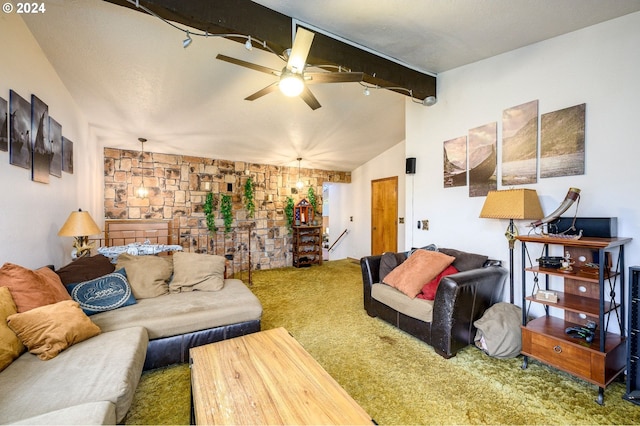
130, 75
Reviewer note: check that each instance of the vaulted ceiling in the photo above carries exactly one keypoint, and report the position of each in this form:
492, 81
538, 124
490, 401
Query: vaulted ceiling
131, 76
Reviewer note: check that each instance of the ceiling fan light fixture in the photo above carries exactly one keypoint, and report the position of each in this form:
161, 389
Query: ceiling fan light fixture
291, 84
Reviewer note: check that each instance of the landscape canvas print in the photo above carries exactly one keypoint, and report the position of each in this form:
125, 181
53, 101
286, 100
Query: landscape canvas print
4, 122
40, 140
455, 162
562, 142
482, 159
520, 144
55, 136
67, 155
20, 128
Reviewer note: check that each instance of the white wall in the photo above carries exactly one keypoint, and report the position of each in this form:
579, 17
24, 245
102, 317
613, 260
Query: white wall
597, 66
32, 213
357, 200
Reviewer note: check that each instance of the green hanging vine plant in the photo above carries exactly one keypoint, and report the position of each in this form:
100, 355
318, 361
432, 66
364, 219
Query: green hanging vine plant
227, 213
248, 198
311, 193
209, 211
288, 210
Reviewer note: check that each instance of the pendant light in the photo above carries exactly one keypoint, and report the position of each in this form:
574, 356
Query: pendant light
299, 184
142, 192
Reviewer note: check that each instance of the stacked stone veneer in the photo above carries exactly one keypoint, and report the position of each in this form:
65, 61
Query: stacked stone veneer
178, 185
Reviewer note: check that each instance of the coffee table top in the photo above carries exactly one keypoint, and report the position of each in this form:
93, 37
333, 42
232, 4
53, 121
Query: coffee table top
266, 378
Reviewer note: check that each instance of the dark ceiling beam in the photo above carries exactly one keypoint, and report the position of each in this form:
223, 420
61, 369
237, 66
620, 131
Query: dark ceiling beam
249, 18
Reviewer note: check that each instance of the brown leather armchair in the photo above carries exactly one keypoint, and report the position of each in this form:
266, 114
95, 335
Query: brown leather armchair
460, 300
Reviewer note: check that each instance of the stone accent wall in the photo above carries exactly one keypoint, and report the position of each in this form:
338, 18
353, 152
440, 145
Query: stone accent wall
178, 185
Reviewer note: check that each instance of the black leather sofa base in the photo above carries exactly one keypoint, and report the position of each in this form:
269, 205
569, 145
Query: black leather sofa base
460, 300
175, 349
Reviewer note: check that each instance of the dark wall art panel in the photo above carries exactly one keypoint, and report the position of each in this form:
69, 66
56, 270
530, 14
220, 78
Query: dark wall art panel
67, 155
4, 125
55, 136
19, 131
40, 140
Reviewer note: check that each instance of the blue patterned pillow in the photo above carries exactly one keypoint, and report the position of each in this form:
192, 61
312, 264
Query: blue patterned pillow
104, 293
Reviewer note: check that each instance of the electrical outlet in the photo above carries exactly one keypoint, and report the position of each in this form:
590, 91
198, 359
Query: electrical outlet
425, 224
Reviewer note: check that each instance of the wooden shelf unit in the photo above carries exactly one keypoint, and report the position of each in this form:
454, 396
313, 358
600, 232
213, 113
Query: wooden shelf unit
307, 245
588, 295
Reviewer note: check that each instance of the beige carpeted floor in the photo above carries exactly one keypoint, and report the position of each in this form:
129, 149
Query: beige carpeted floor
397, 379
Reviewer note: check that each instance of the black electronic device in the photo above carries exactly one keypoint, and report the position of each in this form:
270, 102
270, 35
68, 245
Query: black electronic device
550, 261
601, 227
586, 332
411, 165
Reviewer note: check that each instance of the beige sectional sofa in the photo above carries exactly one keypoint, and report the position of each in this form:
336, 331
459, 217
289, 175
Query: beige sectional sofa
93, 381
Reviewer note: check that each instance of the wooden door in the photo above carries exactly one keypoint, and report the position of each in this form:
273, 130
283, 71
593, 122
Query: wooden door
384, 215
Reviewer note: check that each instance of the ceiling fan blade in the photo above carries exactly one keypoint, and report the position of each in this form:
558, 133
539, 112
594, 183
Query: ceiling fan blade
248, 65
260, 93
311, 100
300, 50
333, 77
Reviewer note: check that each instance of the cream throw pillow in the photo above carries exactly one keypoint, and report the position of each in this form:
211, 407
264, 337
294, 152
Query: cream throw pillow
147, 275
10, 346
194, 271
48, 330
420, 268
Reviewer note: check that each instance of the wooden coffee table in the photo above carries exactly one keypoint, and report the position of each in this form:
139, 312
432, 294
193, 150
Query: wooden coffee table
266, 378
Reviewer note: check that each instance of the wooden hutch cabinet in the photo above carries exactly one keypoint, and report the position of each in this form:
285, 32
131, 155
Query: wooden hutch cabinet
590, 288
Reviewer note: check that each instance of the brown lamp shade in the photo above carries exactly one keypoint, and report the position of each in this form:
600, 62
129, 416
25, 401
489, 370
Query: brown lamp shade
79, 224
512, 204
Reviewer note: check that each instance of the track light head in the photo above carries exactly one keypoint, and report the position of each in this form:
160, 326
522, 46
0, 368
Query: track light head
247, 44
366, 91
187, 41
430, 101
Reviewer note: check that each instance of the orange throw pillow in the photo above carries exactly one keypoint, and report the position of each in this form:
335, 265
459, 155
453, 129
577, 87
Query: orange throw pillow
420, 268
31, 289
10, 346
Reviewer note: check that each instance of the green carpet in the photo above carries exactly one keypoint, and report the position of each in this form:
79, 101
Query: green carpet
396, 378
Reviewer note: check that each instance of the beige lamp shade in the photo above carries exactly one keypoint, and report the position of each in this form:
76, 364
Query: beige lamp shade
512, 204
79, 224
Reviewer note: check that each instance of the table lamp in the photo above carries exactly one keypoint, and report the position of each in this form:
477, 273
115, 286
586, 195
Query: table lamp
79, 225
512, 204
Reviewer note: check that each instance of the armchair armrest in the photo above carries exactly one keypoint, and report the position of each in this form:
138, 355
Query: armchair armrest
461, 299
370, 266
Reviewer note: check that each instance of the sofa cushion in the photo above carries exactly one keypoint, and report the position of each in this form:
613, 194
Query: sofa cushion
106, 367
32, 288
85, 269
10, 345
148, 275
465, 261
111, 291
429, 289
415, 308
186, 312
194, 271
419, 268
48, 330
389, 261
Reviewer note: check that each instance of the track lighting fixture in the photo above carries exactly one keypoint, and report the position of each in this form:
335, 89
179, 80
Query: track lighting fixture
430, 101
366, 91
247, 44
187, 41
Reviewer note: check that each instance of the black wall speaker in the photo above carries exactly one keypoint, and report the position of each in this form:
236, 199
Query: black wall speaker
411, 165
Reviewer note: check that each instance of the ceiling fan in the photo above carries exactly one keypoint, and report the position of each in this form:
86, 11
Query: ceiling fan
293, 79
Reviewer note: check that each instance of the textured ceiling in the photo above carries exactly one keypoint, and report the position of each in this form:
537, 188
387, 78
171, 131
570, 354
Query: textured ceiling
131, 77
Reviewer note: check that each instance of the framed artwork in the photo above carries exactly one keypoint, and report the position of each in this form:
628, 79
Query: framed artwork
455, 162
482, 159
55, 137
562, 142
40, 140
67, 155
19, 131
520, 144
4, 122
